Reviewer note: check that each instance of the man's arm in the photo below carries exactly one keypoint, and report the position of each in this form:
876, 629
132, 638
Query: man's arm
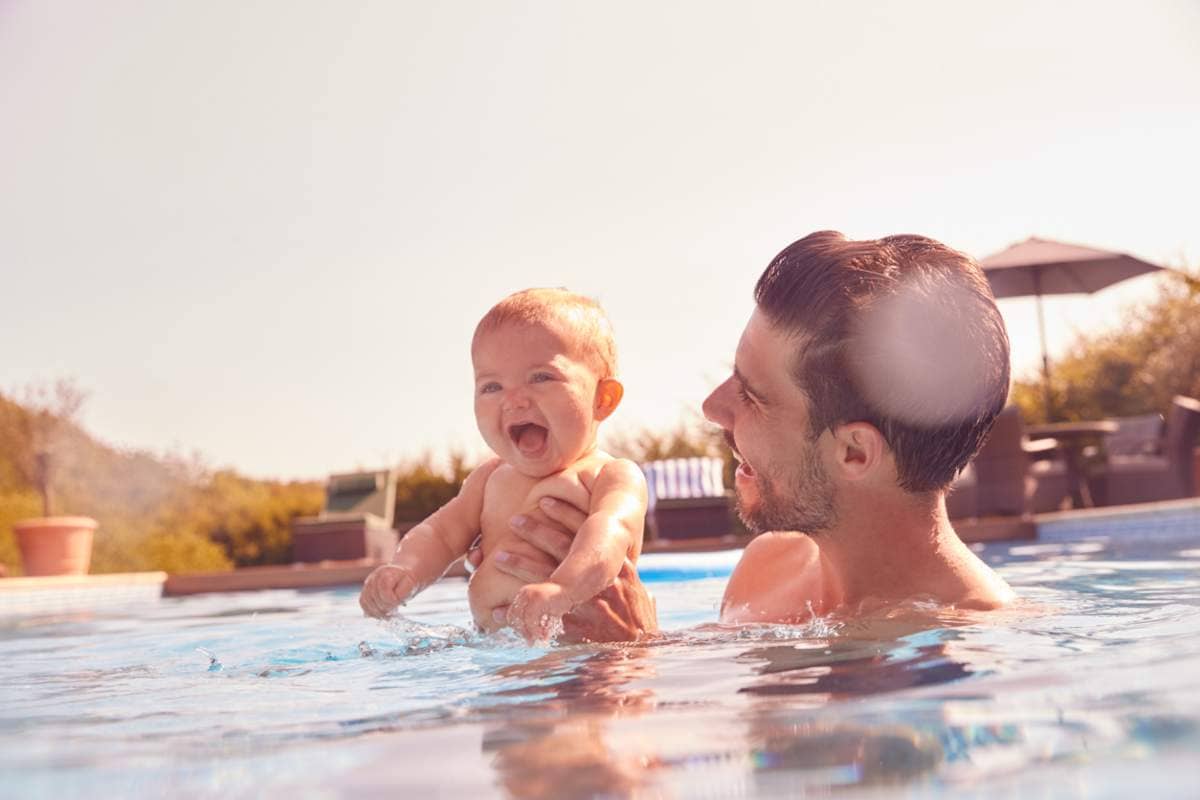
611, 533
623, 612
428, 549
781, 577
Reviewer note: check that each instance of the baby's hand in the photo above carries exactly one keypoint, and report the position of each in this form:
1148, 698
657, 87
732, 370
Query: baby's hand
384, 589
536, 608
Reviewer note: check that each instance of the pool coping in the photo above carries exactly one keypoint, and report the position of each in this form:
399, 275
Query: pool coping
34, 595
56, 594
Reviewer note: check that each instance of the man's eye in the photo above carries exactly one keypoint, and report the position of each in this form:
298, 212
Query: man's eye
743, 395
489, 388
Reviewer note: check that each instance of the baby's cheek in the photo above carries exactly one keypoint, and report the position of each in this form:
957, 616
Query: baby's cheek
485, 421
581, 412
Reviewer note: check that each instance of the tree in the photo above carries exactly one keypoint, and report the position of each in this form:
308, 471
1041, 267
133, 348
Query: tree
422, 488
249, 520
155, 512
48, 414
1134, 368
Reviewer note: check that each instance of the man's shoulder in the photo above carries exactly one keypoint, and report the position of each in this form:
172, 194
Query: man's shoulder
776, 543
779, 577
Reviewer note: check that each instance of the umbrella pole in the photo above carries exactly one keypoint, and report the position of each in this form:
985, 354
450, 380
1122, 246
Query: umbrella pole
1046, 396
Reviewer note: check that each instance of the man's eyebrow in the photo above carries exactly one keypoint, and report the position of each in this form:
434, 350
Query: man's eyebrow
750, 390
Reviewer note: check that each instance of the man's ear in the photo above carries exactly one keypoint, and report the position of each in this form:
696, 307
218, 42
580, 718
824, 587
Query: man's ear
609, 392
859, 449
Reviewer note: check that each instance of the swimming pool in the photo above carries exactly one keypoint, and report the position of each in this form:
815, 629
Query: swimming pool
1091, 687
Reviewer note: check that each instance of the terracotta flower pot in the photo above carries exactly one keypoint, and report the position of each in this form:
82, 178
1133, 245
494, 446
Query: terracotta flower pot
55, 545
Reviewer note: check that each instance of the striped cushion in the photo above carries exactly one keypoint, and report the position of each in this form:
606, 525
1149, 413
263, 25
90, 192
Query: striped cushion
676, 478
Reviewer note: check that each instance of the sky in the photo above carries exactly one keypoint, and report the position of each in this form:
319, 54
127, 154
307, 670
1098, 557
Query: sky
263, 232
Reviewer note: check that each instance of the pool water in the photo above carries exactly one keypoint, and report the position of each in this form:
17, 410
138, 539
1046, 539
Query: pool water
1089, 687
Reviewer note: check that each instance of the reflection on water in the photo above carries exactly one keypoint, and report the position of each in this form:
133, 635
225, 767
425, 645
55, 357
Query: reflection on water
1096, 673
933, 701
581, 733
564, 751
574, 747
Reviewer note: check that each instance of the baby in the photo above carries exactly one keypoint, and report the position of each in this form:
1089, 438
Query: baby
544, 380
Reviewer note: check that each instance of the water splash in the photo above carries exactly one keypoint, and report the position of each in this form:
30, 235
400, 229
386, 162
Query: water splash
214, 664
817, 627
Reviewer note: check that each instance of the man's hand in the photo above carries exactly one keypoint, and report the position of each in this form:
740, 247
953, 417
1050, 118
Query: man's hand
552, 541
623, 612
384, 589
536, 608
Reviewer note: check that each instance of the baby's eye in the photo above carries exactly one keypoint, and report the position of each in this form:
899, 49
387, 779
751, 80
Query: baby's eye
489, 387
541, 377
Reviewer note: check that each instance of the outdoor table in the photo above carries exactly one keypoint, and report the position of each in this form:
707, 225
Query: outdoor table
1072, 436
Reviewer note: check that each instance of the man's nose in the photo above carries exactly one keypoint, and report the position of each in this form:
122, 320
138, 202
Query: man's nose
715, 408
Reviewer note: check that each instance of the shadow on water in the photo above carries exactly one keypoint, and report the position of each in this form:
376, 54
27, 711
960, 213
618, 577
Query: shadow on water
854, 670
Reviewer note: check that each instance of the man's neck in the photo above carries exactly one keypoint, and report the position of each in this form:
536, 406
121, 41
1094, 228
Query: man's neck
895, 545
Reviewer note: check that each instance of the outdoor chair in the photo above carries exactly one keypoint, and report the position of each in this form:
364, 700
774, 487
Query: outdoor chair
1010, 476
1141, 435
356, 521
687, 498
1162, 469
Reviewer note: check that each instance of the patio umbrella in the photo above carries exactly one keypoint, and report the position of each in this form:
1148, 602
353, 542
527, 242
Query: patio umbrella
1040, 266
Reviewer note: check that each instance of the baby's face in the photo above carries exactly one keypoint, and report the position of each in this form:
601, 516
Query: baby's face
534, 401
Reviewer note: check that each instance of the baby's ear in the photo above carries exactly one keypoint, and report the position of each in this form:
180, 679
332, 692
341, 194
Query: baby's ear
609, 392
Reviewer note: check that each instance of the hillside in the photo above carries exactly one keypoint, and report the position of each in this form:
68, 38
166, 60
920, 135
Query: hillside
155, 512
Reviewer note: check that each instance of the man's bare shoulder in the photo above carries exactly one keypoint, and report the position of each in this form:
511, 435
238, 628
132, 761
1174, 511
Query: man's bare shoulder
781, 577
779, 542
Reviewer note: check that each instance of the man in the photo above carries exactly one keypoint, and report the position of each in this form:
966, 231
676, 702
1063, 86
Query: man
868, 376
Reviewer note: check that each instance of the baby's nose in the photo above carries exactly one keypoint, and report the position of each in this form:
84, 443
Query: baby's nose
516, 400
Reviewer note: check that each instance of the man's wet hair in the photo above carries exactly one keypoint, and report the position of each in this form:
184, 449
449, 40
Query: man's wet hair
578, 318
902, 333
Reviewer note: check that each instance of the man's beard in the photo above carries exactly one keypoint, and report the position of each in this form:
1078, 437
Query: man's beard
807, 507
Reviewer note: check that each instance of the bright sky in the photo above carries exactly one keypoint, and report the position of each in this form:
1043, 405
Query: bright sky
264, 231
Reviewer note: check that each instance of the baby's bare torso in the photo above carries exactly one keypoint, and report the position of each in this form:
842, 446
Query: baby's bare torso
508, 493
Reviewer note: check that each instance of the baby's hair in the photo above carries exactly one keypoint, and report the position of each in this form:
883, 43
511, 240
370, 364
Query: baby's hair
575, 316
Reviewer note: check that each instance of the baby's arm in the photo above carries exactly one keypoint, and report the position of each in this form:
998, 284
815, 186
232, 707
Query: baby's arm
612, 531
428, 550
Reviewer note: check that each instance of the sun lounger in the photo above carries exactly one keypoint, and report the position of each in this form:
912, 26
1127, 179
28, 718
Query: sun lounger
355, 523
687, 498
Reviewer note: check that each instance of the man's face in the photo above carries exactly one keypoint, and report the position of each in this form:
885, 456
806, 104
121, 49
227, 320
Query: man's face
781, 483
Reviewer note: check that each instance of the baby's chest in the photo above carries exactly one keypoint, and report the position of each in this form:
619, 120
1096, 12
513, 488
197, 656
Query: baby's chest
512, 493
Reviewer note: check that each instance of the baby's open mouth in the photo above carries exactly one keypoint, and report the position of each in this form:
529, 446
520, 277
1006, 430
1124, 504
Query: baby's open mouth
529, 437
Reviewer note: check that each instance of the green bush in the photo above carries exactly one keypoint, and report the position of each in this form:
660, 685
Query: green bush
422, 487
153, 512
1133, 368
